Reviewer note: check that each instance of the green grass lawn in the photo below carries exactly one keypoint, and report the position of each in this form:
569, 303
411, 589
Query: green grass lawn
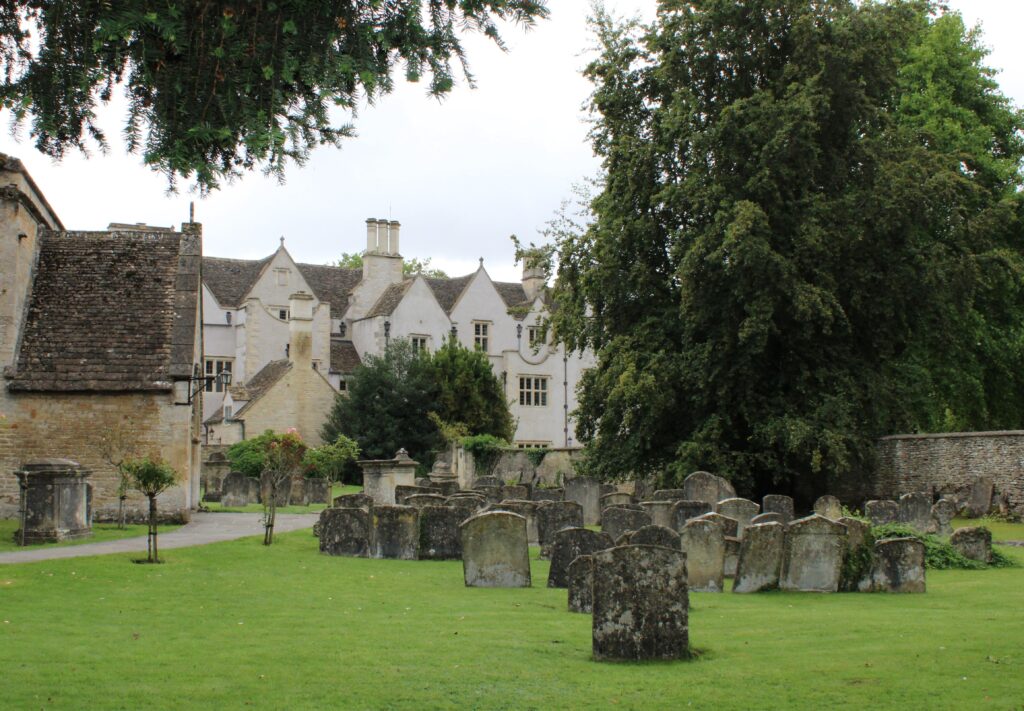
336, 490
1001, 530
239, 625
100, 532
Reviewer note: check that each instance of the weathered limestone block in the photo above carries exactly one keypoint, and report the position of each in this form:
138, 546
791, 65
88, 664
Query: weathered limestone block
552, 517
418, 501
345, 531
898, 567
769, 517
403, 492
760, 559
740, 509
703, 541
239, 490
394, 532
704, 486
829, 506
979, 500
669, 495
440, 538
615, 498
617, 520
882, 512
730, 526
780, 504
640, 604
569, 544
813, 554
495, 553
659, 511
655, 535
916, 511
350, 501
974, 542
546, 494
381, 477
685, 510
580, 580
943, 512
527, 509
586, 492
54, 496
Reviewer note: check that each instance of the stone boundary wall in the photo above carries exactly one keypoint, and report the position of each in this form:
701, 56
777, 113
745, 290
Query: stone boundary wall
952, 462
515, 465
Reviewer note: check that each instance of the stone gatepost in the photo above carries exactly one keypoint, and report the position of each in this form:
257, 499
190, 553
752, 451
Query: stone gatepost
55, 502
381, 476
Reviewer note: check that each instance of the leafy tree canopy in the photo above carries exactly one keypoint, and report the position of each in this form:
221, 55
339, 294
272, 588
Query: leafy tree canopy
807, 235
410, 267
215, 88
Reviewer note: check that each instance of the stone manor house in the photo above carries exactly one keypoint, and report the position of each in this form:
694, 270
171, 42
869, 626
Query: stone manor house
291, 335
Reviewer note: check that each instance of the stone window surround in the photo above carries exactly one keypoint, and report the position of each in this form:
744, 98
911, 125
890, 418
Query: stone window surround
419, 342
481, 335
215, 366
533, 390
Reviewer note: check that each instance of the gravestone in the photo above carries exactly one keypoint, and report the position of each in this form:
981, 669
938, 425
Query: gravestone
616, 521
703, 542
655, 535
857, 560
55, 501
615, 499
740, 509
486, 481
704, 486
979, 500
916, 511
586, 492
495, 553
829, 506
769, 517
446, 487
732, 556
318, 490
418, 501
394, 532
640, 604
730, 526
403, 492
579, 577
570, 543
659, 511
780, 504
353, 501
760, 559
974, 542
643, 489
882, 512
440, 538
382, 476
423, 481
683, 511
345, 531
239, 490
552, 517
898, 567
943, 512
515, 492
546, 494
669, 495
813, 554
527, 509
466, 505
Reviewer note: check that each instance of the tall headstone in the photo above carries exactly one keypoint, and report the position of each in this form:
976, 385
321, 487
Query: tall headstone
730, 526
813, 554
569, 544
495, 553
740, 509
440, 538
617, 520
974, 542
704, 486
394, 532
829, 506
580, 580
881, 512
979, 500
857, 558
703, 541
683, 511
916, 511
523, 508
660, 512
586, 492
552, 517
640, 604
345, 531
943, 512
780, 504
898, 567
760, 559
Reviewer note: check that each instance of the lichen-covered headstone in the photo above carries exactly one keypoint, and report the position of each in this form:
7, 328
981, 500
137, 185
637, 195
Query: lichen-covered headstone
586, 492
515, 492
760, 559
740, 509
570, 543
669, 495
418, 501
881, 512
768, 517
943, 512
345, 531
440, 538
544, 494
486, 481
618, 520
394, 532
703, 541
858, 555
659, 511
640, 604
579, 577
683, 511
916, 511
552, 517
523, 508
403, 492
780, 504
704, 486
353, 501
495, 553
732, 555
829, 506
730, 526
979, 500
616, 498
974, 542
654, 535
237, 490
813, 554
898, 567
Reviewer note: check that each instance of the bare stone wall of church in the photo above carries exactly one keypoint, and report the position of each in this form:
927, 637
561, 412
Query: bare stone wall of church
40, 425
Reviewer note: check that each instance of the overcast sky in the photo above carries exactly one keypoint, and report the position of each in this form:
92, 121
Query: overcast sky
461, 175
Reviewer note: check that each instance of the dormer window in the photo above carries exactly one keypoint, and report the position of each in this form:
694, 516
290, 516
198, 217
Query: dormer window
283, 275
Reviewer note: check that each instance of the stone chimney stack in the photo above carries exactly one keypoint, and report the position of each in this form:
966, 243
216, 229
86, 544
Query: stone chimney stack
300, 348
382, 237
533, 280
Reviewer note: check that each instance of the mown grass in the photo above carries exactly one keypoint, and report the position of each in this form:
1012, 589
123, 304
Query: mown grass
336, 490
1001, 530
100, 532
240, 625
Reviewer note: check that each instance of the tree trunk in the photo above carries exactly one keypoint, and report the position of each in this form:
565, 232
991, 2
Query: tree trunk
154, 554
268, 533
120, 512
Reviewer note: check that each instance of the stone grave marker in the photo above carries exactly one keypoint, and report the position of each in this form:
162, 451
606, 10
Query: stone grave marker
440, 538
943, 512
669, 495
857, 533
655, 535
882, 512
569, 544
979, 500
482, 481
704, 486
586, 492
552, 517
703, 541
898, 567
527, 509
974, 542
617, 520
730, 526
353, 501
732, 556
740, 509
515, 492
829, 506
345, 531
615, 498
495, 553
403, 492
760, 559
683, 511
916, 511
237, 490
659, 511
780, 504
418, 501
546, 494
394, 532
769, 517
579, 578
813, 554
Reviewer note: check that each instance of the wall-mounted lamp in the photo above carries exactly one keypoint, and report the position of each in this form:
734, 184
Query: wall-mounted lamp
387, 333
223, 378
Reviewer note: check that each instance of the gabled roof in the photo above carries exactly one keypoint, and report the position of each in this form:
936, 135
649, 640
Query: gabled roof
230, 280
258, 385
389, 300
110, 312
447, 291
512, 293
344, 357
331, 284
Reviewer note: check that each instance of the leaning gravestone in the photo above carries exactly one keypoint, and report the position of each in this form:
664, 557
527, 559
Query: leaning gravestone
654, 535
979, 501
780, 504
703, 541
770, 517
974, 542
683, 511
440, 538
353, 501
345, 531
704, 486
882, 512
669, 495
587, 493
615, 499
898, 567
943, 512
552, 517
394, 532
495, 553
740, 509
730, 526
239, 490
760, 559
569, 544
616, 521
579, 577
916, 511
640, 604
659, 511
527, 509
813, 554
829, 506
541, 494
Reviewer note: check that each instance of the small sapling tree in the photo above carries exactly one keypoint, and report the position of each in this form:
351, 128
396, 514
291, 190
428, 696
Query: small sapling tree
152, 477
330, 460
283, 458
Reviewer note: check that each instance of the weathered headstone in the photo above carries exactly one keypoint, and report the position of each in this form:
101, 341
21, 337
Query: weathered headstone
768, 517
659, 511
669, 495
760, 559
780, 504
515, 492
579, 578
916, 511
643, 489
552, 517
898, 567
418, 501
654, 535
943, 512
466, 505
345, 531
482, 481
495, 553
238, 490
829, 506
859, 551
974, 542
440, 538
446, 487
54, 501
703, 541
813, 554
423, 481
979, 500
881, 512
732, 556
740, 509
382, 476
316, 490
730, 526
525, 508
394, 532
570, 543
547, 494
586, 492
617, 520
403, 492
683, 511
615, 499
353, 501
704, 486
640, 604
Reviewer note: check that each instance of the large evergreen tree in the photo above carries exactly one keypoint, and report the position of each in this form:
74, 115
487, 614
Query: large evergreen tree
807, 235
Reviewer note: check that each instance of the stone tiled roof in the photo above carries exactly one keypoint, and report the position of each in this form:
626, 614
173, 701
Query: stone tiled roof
512, 293
389, 300
344, 357
257, 386
110, 312
447, 291
231, 279
331, 284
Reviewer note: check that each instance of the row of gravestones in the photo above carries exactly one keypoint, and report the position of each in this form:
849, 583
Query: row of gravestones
915, 510
238, 490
